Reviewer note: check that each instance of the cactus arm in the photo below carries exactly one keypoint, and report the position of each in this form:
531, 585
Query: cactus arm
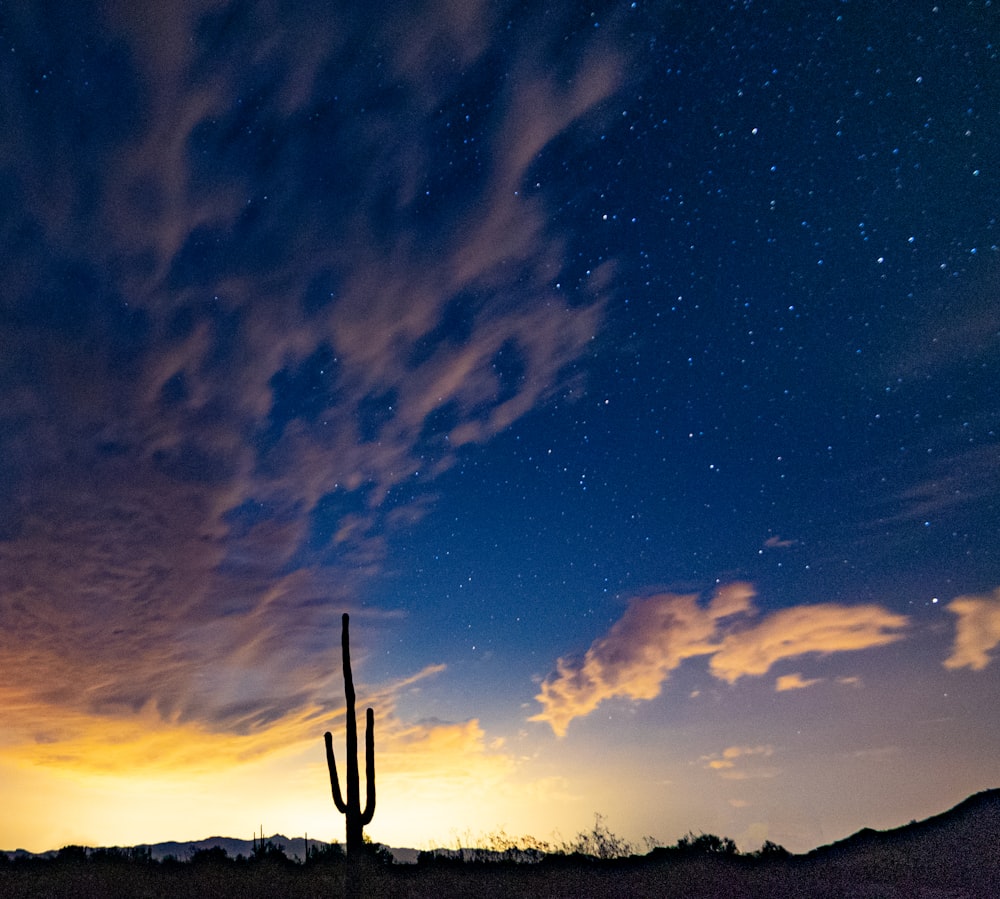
369, 812
331, 763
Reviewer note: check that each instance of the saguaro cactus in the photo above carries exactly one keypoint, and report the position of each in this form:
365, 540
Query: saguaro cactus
351, 809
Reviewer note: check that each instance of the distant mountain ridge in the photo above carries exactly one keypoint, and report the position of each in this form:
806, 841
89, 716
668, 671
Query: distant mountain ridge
294, 848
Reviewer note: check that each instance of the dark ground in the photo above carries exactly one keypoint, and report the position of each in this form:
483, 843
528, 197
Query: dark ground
876, 874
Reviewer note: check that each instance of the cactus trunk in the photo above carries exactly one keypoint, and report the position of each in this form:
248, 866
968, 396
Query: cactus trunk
351, 807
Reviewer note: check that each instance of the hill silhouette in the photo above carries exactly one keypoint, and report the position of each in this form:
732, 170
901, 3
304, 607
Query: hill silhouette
952, 854
974, 820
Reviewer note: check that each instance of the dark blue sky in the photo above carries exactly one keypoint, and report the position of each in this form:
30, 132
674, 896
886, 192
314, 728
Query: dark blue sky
628, 372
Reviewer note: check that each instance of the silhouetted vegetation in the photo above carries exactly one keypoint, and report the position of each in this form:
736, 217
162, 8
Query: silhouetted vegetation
706, 844
771, 852
600, 843
267, 852
117, 855
950, 855
350, 807
325, 854
357, 854
213, 855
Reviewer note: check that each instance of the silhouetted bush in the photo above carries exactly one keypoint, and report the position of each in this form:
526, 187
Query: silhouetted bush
706, 844
213, 855
600, 842
771, 852
72, 854
325, 854
270, 852
377, 853
440, 858
118, 855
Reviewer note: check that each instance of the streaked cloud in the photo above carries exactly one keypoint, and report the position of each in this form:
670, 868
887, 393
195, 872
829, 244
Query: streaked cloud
442, 772
801, 630
632, 661
878, 753
657, 633
272, 323
795, 682
146, 743
977, 631
728, 757
741, 762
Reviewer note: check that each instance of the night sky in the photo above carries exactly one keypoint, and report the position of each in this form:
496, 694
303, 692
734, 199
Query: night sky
630, 372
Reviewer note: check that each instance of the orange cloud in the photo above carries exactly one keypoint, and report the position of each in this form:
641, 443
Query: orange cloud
794, 682
977, 630
650, 640
801, 630
431, 776
657, 633
143, 742
731, 763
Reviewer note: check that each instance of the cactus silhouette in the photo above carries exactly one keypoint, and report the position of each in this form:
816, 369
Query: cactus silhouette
351, 808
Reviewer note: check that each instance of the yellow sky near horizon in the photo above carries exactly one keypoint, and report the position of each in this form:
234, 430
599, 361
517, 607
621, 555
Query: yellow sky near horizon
127, 778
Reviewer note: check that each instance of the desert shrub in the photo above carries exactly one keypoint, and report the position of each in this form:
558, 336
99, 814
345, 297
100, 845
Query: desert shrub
378, 853
441, 858
771, 851
213, 855
118, 855
325, 854
72, 854
600, 842
706, 844
520, 850
270, 852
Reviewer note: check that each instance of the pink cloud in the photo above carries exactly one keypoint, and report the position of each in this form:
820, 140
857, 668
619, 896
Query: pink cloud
795, 682
977, 631
657, 633
802, 630
638, 653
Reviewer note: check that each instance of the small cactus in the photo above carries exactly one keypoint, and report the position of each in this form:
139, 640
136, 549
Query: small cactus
351, 808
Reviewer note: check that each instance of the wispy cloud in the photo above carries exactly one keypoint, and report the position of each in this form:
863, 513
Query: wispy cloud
795, 682
656, 634
741, 762
728, 757
951, 484
636, 656
801, 630
443, 772
977, 631
253, 312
